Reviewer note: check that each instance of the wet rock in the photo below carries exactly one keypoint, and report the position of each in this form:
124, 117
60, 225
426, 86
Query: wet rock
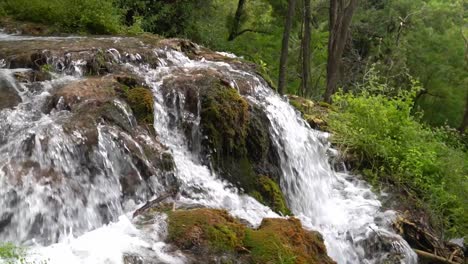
133, 259
5, 220
9, 98
31, 76
98, 90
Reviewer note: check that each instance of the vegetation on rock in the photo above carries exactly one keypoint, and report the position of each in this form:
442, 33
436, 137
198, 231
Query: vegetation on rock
225, 119
142, 103
269, 193
208, 231
315, 113
238, 141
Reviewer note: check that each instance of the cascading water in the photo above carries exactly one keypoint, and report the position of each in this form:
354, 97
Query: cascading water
52, 193
340, 206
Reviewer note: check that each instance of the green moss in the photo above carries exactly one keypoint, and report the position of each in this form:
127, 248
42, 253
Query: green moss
276, 241
271, 195
238, 139
213, 229
224, 123
285, 241
142, 103
267, 247
225, 118
47, 68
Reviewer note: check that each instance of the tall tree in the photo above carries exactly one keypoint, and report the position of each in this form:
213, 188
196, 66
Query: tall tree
464, 123
341, 13
285, 46
305, 84
237, 20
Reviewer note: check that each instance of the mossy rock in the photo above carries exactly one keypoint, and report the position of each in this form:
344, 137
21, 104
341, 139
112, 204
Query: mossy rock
208, 234
224, 122
210, 229
141, 101
269, 193
285, 241
225, 118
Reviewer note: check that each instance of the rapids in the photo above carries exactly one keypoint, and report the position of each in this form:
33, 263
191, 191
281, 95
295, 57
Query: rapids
81, 216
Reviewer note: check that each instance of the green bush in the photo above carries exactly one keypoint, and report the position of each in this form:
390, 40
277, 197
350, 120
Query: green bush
392, 146
86, 16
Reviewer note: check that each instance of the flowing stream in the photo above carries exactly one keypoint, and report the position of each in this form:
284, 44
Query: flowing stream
67, 205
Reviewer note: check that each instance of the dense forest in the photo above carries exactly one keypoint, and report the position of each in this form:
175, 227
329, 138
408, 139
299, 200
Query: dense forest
392, 75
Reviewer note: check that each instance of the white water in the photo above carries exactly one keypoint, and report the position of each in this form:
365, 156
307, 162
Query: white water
339, 205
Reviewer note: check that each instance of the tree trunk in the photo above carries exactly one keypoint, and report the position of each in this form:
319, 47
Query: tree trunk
237, 19
306, 50
339, 21
464, 124
285, 46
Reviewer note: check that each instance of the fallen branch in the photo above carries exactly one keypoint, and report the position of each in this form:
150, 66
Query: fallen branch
234, 36
149, 204
433, 258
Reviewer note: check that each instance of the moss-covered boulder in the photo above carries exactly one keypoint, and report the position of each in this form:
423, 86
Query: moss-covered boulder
209, 235
269, 193
285, 241
237, 137
231, 134
141, 101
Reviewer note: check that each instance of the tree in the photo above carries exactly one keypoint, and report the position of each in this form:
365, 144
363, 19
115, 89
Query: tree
464, 123
237, 20
305, 84
341, 13
285, 46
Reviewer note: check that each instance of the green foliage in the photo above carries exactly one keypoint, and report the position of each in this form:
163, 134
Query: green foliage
419, 37
166, 18
11, 254
87, 16
393, 146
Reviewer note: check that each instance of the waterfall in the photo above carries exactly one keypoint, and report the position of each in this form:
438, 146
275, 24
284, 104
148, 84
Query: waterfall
69, 207
339, 205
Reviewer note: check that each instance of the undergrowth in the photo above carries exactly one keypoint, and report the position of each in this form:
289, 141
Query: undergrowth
391, 145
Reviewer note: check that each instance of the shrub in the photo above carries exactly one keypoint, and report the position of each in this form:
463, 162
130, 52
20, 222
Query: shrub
392, 146
87, 16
